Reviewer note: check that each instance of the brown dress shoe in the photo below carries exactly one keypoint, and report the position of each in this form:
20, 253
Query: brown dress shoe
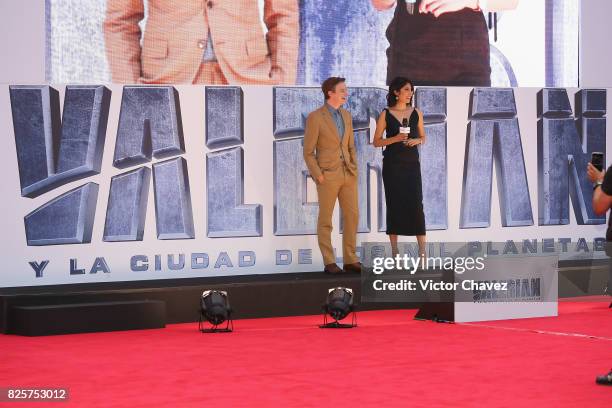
332, 269
354, 267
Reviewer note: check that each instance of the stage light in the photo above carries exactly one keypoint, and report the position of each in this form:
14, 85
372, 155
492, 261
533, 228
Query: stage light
338, 305
215, 308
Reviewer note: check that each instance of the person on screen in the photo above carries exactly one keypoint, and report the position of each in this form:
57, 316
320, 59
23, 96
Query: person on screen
602, 202
440, 42
331, 158
204, 41
404, 131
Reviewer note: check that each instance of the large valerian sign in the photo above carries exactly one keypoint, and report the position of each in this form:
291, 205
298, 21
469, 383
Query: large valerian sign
539, 149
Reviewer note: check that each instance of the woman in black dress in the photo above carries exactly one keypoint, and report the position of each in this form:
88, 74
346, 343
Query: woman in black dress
404, 131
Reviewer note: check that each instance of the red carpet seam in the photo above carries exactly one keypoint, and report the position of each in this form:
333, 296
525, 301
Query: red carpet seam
588, 336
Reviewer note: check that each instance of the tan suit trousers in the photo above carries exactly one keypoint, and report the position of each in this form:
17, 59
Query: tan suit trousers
339, 185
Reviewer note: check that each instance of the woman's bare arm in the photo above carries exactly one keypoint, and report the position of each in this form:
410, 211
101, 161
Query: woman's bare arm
381, 125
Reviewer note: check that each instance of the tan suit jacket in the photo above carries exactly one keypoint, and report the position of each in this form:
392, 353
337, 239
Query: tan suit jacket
323, 150
177, 31
325, 154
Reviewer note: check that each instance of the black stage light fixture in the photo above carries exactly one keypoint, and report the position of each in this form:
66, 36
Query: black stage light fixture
215, 309
338, 305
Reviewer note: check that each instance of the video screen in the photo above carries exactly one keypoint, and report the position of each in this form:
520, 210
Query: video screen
292, 42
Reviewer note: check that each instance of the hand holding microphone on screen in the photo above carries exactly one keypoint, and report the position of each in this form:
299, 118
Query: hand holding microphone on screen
436, 7
439, 7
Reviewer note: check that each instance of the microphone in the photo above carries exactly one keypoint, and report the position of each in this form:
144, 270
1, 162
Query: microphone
411, 6
405, 129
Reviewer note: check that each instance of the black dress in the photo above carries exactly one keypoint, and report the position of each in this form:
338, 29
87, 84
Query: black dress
402, 179
451, 50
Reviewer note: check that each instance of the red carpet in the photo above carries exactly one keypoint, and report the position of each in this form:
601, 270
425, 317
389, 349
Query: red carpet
389, 360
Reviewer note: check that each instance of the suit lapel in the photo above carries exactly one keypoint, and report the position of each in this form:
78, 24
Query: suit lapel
329, 121
346, 120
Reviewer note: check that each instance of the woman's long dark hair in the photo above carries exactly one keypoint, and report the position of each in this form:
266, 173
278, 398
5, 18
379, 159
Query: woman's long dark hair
395, 85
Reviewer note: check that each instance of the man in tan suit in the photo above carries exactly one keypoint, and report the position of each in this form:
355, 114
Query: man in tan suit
329, 152
202, 41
